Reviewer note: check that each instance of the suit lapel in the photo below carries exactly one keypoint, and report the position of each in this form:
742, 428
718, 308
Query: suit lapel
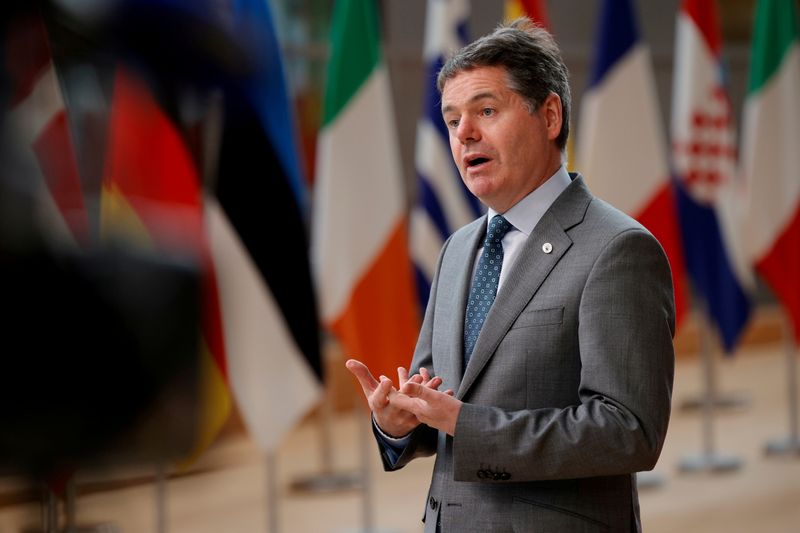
455, 282
529, 271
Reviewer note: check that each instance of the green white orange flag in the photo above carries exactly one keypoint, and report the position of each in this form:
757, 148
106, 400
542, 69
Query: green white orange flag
359, 243
770, 157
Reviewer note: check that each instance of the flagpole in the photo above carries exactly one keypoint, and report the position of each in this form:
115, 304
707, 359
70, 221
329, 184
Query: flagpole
270, 463
366, 446
791, 443
327, 480
709, 460
49, 511
718, 400
161, 498
70, 518
368, 498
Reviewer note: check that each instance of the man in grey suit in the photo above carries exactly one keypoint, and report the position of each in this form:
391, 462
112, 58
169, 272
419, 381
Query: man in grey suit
542, 402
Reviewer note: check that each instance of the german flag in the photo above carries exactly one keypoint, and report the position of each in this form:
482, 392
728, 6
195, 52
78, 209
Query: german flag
152, 198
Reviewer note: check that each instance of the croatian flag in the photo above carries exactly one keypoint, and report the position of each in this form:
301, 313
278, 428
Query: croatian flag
621, 146
443, 202
710, 197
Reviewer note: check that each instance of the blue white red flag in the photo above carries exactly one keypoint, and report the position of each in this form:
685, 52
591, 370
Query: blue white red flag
621, 144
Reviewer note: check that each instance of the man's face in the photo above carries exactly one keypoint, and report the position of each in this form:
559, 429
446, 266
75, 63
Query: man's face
502, 151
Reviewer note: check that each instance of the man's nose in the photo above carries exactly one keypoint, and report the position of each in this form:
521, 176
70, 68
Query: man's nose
467, 131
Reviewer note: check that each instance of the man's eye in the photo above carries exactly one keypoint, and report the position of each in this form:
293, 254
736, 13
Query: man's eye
487, 112
452, 124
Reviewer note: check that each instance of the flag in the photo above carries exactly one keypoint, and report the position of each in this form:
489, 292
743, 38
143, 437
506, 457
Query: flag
39, 121
360, 245
770, 159
151, 198
536, 10
444, 203
258, 240
621, 144
710, 198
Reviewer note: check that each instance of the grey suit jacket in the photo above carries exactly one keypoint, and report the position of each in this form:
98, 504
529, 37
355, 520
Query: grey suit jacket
567, 393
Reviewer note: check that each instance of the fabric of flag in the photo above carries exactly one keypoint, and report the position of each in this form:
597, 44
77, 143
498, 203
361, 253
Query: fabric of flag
360, 244
267, 89
38, 120
536, 10
770, 158
709, 192
621, 144
259, 244
444, 203
151, 198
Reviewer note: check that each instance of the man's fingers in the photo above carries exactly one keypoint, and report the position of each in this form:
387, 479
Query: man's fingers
434, 383
426, 376
362, 373
415, 390
416, 378
380, 396
402, 375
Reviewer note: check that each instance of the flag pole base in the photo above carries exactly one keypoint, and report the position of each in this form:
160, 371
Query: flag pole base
782, 447
94, 528
719, 401
369, 531
709, 462
330, 482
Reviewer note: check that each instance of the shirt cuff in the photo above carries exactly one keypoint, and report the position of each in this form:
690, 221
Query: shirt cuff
393, 446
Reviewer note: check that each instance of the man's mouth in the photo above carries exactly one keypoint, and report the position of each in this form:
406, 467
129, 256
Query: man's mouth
476, 160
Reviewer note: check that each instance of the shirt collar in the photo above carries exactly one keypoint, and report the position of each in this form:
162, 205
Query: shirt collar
525, 214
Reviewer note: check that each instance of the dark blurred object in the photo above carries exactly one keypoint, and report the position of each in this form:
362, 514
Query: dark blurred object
100, 357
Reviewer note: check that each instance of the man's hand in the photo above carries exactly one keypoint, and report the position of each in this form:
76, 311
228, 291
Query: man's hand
392, 420
436, 409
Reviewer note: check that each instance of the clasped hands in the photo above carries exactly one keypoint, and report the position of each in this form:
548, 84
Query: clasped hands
416, 399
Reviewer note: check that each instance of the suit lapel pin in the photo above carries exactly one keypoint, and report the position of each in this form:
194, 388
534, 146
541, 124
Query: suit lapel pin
547, 247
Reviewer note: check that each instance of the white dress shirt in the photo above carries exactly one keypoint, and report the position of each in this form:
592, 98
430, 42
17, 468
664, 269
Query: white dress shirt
523, 216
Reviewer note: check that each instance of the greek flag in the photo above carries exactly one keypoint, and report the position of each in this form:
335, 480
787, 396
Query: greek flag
443, 202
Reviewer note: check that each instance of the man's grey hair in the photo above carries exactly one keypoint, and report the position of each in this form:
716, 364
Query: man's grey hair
531, 58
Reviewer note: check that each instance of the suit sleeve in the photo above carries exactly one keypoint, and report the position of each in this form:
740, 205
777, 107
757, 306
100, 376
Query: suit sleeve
626, 323
423, 439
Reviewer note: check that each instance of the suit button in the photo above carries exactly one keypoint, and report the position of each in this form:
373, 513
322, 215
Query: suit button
433, 503
505, 476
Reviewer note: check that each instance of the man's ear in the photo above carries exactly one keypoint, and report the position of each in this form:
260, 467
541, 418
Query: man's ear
551, 113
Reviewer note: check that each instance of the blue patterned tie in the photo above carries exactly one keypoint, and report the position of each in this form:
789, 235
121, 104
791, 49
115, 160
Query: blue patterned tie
484, 284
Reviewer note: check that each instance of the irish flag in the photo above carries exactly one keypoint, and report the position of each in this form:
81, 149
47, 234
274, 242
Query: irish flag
359, 242
770, 158
621, 146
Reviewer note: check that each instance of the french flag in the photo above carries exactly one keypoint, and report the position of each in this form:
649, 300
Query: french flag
711, 199
621, 143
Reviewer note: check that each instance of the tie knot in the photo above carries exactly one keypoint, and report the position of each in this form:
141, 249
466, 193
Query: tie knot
498, 227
